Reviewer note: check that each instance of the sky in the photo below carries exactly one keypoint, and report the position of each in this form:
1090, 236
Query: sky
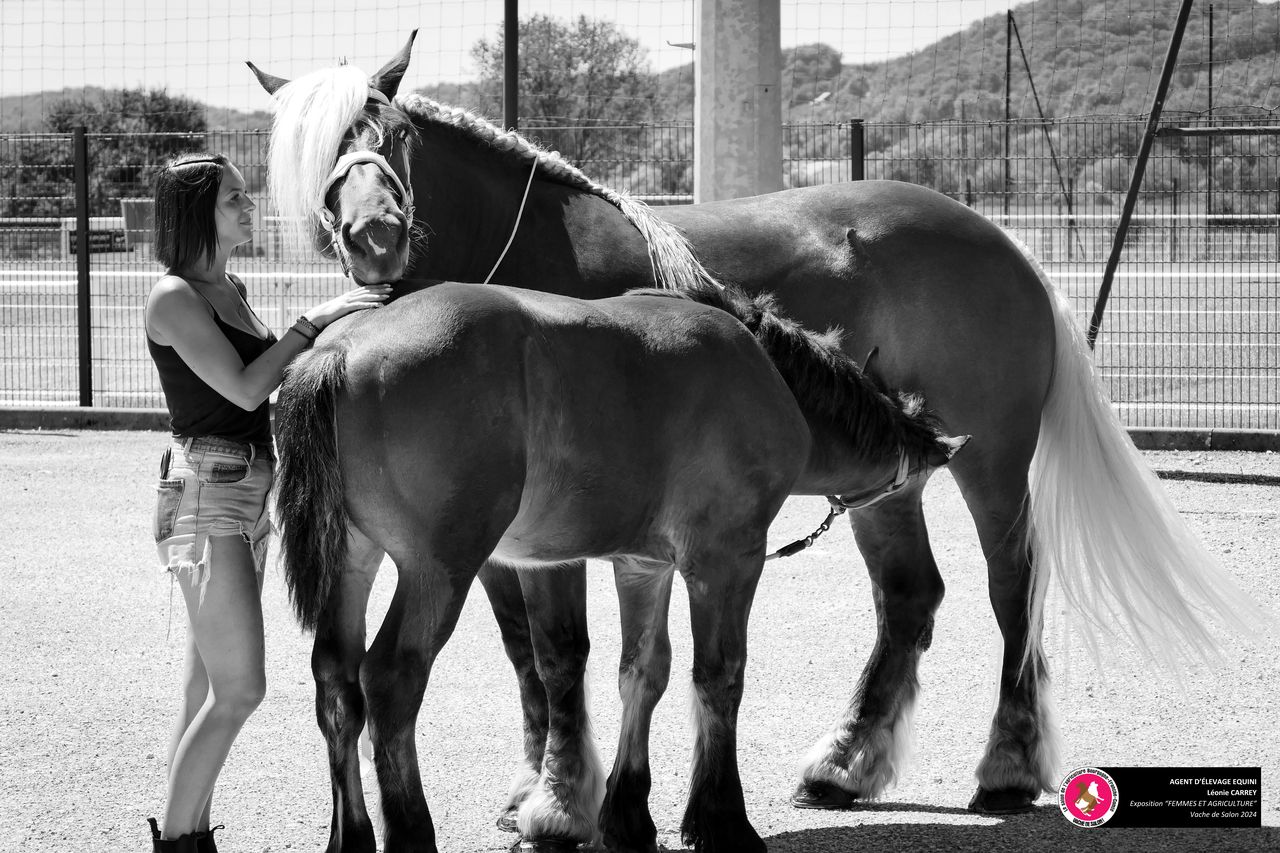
198, 49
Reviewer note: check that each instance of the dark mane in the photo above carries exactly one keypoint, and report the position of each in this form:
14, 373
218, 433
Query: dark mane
673, 263
828, 385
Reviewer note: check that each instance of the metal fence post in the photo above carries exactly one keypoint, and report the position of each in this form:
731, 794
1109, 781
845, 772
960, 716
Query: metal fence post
1139, 168
80, 152
511, 64
1071, 219
857, 150
1008, 113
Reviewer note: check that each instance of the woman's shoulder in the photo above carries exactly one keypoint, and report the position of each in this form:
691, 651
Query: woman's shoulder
172, 284
173, 289
172, 299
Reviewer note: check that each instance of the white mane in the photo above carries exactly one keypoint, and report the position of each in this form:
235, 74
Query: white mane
312, 114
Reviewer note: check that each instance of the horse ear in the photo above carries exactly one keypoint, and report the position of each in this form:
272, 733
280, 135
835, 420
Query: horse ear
387, 80
269, 81
946, 447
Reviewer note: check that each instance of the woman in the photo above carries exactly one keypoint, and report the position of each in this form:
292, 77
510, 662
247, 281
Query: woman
218, 364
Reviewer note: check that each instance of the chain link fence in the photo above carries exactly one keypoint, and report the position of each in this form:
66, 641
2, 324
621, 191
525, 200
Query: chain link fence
1190, 338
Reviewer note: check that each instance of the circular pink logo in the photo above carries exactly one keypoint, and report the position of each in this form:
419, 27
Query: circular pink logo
1088, 797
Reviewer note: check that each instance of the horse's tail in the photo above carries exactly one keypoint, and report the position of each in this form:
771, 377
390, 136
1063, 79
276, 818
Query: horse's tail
309, 494
1104, 527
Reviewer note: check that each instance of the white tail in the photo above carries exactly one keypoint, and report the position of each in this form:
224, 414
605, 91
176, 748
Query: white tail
1102, 524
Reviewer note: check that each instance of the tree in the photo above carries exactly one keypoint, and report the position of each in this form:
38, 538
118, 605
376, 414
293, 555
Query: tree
579, 82
35, 177
132, 131
808, 71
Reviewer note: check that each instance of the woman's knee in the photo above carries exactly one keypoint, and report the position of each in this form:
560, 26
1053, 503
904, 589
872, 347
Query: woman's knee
240, 697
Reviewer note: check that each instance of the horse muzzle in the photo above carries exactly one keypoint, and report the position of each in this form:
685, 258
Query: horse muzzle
377, 247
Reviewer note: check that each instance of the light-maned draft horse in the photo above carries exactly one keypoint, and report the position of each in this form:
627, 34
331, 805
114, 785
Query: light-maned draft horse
463, 424
405, 189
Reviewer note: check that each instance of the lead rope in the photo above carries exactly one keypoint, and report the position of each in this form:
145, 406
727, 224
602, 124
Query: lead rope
799, 545
839, 505
516, 227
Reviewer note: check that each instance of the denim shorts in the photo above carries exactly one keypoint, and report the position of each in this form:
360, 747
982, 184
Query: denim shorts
210, 487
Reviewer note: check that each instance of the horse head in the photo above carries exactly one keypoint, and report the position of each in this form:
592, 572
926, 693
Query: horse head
339, 164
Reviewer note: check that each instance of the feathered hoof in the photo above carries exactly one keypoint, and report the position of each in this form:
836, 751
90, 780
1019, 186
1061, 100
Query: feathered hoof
1007, 801
545, 845
507, 820
820, 795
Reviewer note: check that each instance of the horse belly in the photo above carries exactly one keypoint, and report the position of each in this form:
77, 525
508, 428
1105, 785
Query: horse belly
706, 442
555, 526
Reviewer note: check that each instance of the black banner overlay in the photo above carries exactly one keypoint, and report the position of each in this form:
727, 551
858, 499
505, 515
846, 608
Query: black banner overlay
1195, 797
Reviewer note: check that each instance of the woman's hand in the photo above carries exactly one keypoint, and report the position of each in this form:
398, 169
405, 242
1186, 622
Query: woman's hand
363, 297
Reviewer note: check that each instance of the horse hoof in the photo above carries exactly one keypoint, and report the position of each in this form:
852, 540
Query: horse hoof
820, 795
1008, 801
545, 845
507, 821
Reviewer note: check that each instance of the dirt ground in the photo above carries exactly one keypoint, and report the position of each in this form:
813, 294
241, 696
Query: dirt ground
91, 642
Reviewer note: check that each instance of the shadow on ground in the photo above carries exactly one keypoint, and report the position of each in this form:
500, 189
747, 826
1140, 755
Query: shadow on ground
1042, 829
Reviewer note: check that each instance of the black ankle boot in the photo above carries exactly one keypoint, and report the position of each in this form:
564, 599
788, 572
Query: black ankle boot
183, 844
205, 842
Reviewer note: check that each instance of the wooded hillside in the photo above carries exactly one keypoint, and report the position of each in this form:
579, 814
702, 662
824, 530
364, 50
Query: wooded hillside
1086, 58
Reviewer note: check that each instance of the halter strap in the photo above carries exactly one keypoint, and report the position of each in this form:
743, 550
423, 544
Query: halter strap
344, 164
839, 505
899, 480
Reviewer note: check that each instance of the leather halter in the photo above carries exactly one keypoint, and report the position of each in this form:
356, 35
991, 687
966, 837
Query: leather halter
339, 172
899, 480
840, 504
344, 165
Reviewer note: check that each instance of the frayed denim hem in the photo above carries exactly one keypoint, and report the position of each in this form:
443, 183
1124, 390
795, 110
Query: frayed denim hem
182, 556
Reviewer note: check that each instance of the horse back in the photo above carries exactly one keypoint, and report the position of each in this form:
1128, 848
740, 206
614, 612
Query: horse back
671, 415
948, 301
576, 428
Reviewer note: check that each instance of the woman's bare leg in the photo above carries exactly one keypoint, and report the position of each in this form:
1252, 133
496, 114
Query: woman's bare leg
225, 616
195, 690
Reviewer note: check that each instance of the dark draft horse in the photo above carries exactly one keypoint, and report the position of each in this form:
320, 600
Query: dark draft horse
466, 424
405, 188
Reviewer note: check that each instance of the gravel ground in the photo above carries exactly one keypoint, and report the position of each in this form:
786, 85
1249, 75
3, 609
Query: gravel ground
92, 642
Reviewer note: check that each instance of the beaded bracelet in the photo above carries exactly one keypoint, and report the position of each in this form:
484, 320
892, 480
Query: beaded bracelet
315, 330
306, 328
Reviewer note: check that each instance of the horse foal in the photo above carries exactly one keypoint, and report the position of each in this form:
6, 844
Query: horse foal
464, 424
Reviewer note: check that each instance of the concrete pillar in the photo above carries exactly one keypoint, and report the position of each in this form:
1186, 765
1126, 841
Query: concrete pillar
737, 99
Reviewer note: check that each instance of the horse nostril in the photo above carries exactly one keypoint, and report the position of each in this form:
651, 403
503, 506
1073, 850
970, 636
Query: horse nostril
350, 242
375, 241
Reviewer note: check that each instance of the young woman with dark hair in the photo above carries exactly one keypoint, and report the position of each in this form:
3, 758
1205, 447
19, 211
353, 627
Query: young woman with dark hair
218, 364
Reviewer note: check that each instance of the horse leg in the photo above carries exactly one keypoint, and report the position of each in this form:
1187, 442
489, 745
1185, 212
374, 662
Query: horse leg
1021, 754
502, 585
644, 599
861, 756
340, 712
394, 674
563, 807
720, 593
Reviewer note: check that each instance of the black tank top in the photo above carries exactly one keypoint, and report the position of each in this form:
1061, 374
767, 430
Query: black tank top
195, 409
